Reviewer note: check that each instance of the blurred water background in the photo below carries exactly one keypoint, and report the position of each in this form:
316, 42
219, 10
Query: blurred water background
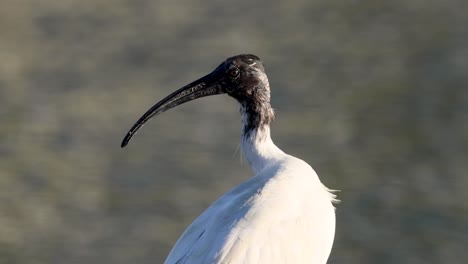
373, 94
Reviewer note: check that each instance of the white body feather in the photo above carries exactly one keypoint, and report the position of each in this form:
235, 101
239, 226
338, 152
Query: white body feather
283, 214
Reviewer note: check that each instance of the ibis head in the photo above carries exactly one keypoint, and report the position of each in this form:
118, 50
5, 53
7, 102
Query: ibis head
242, 77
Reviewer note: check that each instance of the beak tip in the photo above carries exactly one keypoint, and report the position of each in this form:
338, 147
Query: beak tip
125, 141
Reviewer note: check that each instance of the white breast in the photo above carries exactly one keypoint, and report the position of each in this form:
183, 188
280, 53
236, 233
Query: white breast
282, 215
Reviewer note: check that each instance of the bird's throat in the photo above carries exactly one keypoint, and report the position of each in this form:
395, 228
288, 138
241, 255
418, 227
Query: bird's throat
257, 146
256, 116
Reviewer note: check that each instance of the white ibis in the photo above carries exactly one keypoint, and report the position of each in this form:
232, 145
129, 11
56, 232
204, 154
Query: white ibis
283, 214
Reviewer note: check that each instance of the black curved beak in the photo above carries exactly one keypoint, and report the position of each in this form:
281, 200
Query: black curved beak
205, 86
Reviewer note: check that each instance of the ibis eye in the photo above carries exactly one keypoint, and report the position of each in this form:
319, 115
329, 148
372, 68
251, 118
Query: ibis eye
234, 72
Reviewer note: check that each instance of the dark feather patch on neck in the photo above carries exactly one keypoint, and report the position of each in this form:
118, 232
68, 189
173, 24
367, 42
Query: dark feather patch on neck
256, 111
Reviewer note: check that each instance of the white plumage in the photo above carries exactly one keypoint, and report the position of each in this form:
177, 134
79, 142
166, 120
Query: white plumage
283, 214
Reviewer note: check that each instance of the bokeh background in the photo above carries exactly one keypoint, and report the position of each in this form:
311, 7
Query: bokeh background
373, 94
